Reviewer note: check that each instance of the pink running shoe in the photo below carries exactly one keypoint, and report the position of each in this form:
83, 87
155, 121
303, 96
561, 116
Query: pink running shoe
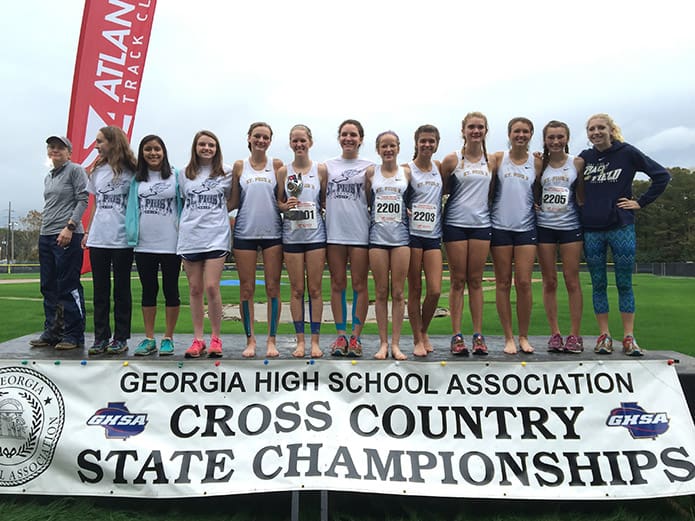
555, 344
196, 350
574, 344
215, 350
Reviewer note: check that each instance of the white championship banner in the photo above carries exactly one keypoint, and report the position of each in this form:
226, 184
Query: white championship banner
611, 429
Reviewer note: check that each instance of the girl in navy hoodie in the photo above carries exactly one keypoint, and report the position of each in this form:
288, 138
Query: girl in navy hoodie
608, 218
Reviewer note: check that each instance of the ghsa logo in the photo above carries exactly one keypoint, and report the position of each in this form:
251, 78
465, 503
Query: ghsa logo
640, 423
118, 422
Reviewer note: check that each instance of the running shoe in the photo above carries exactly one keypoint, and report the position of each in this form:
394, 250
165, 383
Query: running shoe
99, 347
604, 345
458, 346
630, 347
166, 348
555, 344
479, 346
196, 350
215, 350
340, 346
146, 347
574, 344
354, 349
116, 347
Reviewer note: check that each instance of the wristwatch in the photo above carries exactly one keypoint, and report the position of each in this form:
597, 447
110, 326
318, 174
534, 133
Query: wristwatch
71, 226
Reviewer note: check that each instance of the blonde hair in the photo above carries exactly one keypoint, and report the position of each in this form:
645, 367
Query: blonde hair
616, 133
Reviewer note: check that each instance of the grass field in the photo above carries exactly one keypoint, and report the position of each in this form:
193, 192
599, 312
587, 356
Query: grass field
666, 308
664, 318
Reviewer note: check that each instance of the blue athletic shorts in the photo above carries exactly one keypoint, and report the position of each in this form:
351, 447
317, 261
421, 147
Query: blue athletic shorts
302, 247
507, 238
458, 233
425, 243
254, 244
204, 255
550, 236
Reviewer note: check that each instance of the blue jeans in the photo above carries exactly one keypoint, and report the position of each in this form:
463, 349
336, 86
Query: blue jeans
61, 288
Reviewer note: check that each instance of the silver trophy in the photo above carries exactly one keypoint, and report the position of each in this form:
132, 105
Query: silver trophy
294, 188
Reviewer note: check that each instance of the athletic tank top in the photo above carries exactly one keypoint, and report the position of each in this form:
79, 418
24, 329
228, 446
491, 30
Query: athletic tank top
425, 202
512, 207
558, 202
469, 189
389, 219
347, 216
310, 228
259, 216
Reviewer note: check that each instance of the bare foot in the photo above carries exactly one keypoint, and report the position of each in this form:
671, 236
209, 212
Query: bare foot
525, 346
316, 350
510, 347
383, 352
271, 351
427, 343
299, 352
250, 350
397, 354
420, 350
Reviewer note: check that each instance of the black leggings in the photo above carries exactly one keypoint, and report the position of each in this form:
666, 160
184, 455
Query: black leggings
148, 265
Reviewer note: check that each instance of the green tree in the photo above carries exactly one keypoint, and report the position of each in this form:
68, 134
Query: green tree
666, 228
28, 237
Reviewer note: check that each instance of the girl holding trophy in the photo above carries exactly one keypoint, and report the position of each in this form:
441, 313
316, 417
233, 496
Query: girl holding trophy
300, 185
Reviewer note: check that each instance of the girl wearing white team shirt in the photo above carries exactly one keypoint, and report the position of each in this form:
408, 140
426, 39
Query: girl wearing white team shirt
258, 225
109, 182
347, 229
204, 236
152, 223
425, 199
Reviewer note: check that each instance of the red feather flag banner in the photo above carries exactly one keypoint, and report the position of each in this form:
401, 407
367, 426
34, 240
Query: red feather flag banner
108, 75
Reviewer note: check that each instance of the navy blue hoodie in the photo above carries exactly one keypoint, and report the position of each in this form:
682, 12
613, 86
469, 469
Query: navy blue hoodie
608, 177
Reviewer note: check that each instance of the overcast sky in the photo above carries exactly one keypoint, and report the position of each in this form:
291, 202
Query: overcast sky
220, 65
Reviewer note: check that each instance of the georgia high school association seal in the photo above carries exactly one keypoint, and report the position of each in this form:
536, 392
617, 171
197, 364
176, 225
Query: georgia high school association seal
32, 415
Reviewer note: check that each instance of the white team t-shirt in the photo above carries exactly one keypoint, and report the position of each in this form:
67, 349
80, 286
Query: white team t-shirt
107, 229
159, 219
204, 224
